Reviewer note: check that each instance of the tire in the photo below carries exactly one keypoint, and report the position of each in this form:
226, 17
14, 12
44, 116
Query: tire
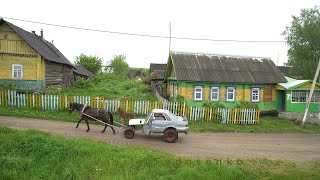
129, 133
170, 135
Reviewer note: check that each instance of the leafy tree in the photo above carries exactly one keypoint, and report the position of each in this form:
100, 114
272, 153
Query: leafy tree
303, 39
119, 65
92, 63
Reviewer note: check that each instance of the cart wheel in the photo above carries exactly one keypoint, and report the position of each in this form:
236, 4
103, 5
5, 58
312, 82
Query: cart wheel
170, 135
129, 133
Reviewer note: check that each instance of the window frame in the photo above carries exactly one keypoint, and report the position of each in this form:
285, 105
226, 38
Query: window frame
306, 92
257, 95
195, 93
234, 94
218, 93
17, 71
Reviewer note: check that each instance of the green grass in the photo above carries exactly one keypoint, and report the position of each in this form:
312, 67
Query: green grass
109, 86
267, 124
37, 155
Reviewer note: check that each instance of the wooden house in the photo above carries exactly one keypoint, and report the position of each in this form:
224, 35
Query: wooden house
29, 62
224, 79
81, 72
157, 79
293, 95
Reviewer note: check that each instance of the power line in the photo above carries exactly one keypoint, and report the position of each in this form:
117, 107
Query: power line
146, 35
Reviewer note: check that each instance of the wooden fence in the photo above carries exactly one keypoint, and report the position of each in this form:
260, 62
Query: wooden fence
222, 115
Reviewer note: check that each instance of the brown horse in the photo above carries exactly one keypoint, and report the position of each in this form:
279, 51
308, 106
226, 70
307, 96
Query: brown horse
124, 115
97, 113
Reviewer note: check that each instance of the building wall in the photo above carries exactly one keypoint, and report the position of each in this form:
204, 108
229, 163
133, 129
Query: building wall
299, 106
243, 94
14, 50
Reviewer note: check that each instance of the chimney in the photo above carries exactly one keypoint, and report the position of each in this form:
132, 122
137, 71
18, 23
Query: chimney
33, 32
41, 33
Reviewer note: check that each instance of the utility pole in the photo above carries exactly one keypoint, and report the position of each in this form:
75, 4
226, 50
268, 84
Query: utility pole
310, 94
170, 37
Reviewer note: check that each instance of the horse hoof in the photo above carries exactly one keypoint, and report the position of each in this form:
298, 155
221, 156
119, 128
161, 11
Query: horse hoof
114, 133
102, 131
88, 130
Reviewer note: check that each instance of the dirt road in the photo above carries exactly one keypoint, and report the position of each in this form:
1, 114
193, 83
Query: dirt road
299, 147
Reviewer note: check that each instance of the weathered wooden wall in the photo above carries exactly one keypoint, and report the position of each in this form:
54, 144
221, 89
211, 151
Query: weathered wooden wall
58, 74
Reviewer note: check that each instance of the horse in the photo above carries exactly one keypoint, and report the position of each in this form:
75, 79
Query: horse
98, 113
125, 115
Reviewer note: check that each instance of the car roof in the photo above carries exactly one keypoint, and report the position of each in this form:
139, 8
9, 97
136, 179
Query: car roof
160, 111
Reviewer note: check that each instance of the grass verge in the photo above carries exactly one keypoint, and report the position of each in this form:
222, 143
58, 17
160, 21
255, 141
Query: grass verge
37, 155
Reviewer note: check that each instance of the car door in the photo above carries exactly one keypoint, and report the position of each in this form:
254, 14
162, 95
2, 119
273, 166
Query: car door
159, 122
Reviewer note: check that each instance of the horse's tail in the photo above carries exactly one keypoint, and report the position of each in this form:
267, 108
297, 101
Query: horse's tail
111, 117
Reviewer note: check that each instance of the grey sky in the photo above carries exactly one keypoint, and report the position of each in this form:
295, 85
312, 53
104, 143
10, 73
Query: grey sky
245, 20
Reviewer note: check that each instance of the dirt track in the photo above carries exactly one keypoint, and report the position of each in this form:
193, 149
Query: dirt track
299, 147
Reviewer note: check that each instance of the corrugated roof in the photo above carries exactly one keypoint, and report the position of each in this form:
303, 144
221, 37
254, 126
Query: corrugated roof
219, 68
82, 71
46, 49
158, 69
154, 67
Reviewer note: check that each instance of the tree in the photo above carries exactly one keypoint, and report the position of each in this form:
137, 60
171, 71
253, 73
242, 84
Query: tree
303, 39
119, 65
92, 63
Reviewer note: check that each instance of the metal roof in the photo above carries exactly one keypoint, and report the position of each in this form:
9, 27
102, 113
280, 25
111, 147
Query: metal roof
220, 68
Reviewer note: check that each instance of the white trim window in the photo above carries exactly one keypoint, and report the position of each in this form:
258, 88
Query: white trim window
198, 93
17, 71
255, 94
215, 93
231, 91
302, 96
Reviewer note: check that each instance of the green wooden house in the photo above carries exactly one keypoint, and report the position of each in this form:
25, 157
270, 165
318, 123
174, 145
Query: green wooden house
293, 95
228, 80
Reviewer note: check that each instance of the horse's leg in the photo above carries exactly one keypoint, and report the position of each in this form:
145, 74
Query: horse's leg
105, 126
87, 125
79, 122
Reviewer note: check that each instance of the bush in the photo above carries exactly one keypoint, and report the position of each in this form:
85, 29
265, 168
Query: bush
247, 105
211, 104
83, 83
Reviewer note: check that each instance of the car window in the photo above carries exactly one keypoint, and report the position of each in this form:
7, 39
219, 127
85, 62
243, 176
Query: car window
159, 116
167, 117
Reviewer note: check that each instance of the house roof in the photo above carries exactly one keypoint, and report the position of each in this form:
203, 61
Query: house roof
286, 70
154, 67
82, 71
221, 68
294, 83
46, 49
158, 69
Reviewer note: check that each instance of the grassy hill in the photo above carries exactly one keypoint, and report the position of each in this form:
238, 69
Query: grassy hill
109, 86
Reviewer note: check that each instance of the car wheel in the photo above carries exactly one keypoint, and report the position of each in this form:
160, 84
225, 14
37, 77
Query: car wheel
170, 135
129, 133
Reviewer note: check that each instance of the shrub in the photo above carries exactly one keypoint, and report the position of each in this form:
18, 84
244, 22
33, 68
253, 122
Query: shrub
82, 83
211, 104
247, 105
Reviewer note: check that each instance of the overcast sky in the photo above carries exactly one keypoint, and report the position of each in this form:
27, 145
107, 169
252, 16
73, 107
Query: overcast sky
245, 20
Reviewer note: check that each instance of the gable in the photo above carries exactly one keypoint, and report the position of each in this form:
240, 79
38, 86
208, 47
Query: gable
12, 43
